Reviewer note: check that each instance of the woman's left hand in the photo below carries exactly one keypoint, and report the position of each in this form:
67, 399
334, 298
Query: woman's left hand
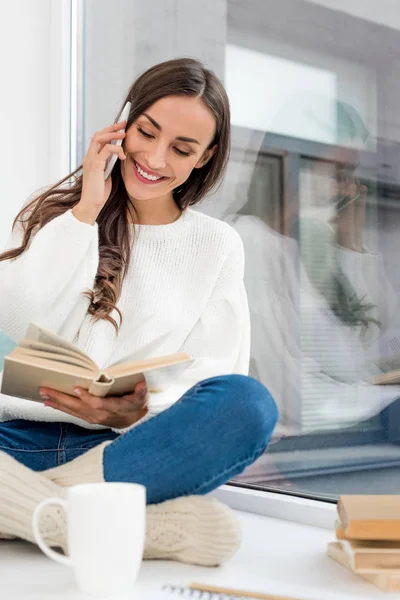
112, 411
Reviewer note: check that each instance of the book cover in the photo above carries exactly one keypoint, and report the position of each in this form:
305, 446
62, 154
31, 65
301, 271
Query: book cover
388, 582
370, 517
372, 556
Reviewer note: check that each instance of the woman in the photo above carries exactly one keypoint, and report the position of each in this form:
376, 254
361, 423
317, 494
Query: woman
121, 268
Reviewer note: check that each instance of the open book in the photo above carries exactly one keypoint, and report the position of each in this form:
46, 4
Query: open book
389, 361
44, 359
389, 378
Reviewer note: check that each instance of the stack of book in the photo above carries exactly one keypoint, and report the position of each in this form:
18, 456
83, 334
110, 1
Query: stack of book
368, 538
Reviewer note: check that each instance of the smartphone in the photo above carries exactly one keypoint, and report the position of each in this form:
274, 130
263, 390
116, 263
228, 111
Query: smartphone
123, 116
345, 174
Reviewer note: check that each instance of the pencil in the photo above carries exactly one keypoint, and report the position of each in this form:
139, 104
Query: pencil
239, 593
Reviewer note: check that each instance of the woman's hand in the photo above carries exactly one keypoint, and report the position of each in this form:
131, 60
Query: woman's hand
350, 213
350, 222
112, 411
96, 191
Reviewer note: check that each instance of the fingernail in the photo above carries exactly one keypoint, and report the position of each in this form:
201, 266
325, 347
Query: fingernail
44, 396
77, 391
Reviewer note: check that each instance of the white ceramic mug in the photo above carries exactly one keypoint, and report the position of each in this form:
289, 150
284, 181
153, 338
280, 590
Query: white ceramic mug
106, 533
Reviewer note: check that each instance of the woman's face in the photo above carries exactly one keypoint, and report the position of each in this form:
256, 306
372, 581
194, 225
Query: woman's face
165, 144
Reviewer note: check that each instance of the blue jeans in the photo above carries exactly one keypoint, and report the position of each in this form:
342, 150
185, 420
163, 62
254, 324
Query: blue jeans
217, 428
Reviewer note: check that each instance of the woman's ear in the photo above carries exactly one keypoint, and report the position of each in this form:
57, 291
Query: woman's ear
206, 157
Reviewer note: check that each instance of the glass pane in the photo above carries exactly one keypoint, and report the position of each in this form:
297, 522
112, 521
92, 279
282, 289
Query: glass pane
312, 188
321, 278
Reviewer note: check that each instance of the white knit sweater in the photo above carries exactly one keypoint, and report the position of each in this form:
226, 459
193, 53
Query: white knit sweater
184, 292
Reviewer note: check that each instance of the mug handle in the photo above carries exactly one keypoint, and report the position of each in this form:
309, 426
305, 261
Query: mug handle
60, 558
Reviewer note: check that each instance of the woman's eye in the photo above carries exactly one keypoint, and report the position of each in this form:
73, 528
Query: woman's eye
145, 134
181, 152
150, 136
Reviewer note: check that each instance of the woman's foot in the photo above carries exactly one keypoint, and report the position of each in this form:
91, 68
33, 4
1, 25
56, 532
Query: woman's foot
21, 490
192, 529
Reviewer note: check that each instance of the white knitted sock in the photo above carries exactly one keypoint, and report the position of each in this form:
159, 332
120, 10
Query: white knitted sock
191, 529
21, 490
87, 468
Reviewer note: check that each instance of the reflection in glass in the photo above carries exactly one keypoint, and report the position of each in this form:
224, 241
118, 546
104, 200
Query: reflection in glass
315, 201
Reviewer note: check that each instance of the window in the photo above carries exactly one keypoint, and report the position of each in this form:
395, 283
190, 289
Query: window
313, 189
320, 89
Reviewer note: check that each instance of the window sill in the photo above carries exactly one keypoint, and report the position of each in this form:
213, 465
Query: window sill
279, 506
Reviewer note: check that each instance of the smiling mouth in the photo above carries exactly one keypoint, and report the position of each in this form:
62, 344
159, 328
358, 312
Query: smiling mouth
144, 175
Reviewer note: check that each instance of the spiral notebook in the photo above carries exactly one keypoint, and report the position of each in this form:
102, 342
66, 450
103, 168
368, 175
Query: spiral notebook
204, 592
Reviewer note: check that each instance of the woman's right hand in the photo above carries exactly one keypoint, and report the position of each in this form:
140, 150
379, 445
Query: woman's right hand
96, 190
350, 217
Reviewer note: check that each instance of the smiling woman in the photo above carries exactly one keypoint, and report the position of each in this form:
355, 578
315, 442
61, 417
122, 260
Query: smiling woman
161, 155
91, 249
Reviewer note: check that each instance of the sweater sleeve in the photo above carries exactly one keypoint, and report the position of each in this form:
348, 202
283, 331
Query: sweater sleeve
220, 340
46, 282
219, 343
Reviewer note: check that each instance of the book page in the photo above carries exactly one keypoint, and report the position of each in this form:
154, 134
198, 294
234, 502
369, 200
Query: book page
138, 366
54, 356
55, 366
44, 349
38, 333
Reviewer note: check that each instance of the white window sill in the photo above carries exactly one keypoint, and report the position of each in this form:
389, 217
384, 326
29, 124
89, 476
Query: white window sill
280, 506
277, 556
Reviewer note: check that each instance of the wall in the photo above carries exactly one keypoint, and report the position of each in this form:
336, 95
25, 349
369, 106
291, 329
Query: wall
34, 104
386, 13
123, 38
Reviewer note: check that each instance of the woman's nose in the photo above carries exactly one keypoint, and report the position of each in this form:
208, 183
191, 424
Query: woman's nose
156, 159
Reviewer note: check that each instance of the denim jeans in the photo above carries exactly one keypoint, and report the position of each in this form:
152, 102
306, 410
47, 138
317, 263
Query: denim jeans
211, 434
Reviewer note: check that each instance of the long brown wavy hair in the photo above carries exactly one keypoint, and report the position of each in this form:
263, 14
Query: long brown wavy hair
179, 77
